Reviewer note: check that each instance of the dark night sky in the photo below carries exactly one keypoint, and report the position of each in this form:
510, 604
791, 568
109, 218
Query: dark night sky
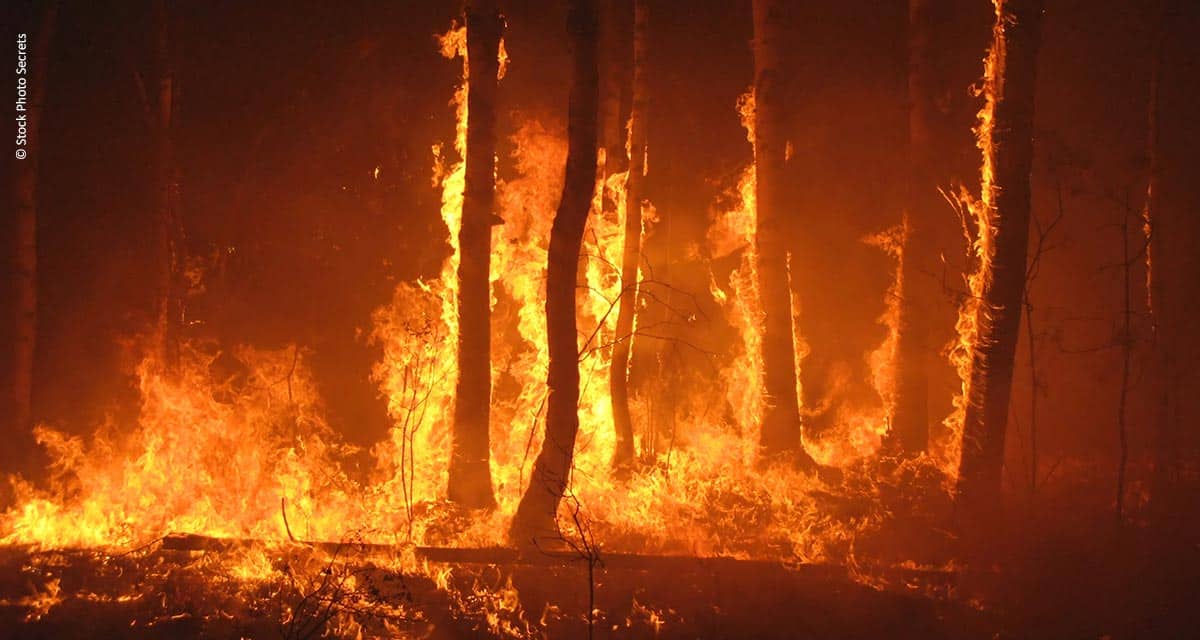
287, 107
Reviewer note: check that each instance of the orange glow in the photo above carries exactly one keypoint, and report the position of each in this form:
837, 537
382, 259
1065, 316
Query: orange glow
248, 454
979, 212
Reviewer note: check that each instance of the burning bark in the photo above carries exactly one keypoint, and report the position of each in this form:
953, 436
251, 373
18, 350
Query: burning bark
535, 516
470, 480
632, 251
1157, 225
780, 435
1006, 139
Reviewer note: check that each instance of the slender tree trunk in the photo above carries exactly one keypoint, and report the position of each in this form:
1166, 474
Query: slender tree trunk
910, 417
630, 257
1007, 141
168, 228
470, 481
26, 218
1126, 339
535, 517
1157, 231
780, 435
614, 59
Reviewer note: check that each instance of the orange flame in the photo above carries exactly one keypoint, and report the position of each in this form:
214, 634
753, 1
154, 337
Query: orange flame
981, 211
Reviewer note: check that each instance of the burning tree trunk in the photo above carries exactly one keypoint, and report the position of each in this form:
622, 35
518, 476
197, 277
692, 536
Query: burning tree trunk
1006, 138
1157, 230
470, 481
614, 60
780, 435
535, 515
910, 415
25, 200
619, 379
168, 230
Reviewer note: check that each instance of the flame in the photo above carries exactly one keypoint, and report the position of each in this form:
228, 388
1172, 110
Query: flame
859, 431
207, 455
981, 213
734, 230
234, 444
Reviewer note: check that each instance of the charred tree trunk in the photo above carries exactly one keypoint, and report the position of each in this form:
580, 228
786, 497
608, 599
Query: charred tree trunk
1158, 231
614, 59
168, 228
470, 481
1008, 148
535, 515
631, 255
26, 218
910, 417
780, 435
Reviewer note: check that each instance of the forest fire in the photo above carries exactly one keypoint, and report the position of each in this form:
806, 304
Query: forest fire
790, 387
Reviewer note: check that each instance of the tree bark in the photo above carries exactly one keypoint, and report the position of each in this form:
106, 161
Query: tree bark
1158, 230
1008, 149
781, 431
631, 255
470, 481
910, 418
535, 517
168, 227
26, 220
614, 57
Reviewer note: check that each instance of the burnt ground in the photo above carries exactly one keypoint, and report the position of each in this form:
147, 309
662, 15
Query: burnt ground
166, 593
1066, 585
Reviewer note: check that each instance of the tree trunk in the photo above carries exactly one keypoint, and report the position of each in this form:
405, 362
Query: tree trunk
168, 229
780, 435
1007, 142
910, 415
1158, 232
614, 57
470, 481
26, 218
630, 257
535, 517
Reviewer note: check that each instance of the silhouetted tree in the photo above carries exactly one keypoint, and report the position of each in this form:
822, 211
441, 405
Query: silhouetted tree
1161, 240
470, 481
25, 198
1008, 149
535, 517
910, 418
632, 251
780, 435
168, 226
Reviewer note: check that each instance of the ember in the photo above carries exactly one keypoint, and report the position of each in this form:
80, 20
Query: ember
586, 318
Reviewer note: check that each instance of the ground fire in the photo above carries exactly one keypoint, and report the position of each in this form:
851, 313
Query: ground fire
601, 318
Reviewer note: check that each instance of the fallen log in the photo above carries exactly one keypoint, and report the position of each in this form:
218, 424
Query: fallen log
509, 555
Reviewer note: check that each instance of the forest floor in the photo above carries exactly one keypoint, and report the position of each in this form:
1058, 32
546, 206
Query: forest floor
1051, 573
169, 593
299, 591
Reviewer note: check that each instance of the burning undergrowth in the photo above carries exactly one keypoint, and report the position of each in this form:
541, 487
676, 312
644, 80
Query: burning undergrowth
233, 501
